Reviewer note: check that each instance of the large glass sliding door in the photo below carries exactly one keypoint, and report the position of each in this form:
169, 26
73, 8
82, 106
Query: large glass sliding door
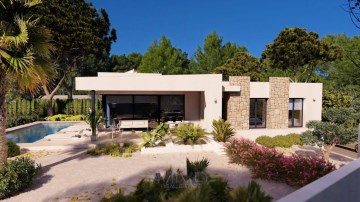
146, 107
120, 106
172, 108
155, 108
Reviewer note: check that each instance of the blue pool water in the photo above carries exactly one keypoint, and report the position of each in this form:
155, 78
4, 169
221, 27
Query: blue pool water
36, 132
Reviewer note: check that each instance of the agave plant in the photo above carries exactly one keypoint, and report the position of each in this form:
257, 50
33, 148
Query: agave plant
222, 130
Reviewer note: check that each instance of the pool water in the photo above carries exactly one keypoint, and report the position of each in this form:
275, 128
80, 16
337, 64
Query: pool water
36, 132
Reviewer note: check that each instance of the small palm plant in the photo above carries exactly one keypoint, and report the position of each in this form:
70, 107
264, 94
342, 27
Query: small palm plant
192, 168
222, 130
151, 138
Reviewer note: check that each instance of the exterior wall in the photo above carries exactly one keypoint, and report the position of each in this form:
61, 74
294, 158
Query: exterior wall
204, 91
259, 90
312, 95
277, 105
238, 103
193, 106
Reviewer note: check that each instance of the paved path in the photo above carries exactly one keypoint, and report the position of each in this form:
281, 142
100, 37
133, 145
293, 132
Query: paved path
70, 175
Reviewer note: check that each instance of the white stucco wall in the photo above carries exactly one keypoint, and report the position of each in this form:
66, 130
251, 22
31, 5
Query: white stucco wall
312, 94
259, 89
203, 93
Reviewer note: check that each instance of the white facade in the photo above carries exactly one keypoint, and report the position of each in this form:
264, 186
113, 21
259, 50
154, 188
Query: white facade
203, 94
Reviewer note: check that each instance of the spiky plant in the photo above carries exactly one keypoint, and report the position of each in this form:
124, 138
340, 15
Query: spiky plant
189, 133
222, 130
196, 167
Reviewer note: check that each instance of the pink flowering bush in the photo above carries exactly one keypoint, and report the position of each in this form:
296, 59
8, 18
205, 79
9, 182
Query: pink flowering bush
268, 164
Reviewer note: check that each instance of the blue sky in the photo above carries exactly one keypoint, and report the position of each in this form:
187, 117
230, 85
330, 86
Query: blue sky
252, 24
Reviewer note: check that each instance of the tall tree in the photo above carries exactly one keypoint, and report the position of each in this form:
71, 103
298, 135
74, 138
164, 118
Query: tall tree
345, 70
78, 30
24, 52
299, 51
123, 63
213, 54
242, 64
162, 57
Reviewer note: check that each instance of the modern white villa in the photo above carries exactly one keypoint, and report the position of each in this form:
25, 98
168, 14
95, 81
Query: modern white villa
199, 99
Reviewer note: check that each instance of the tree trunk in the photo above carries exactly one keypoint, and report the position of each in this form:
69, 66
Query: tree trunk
326, 153
49, 96
3, 145
69, 90
50, 110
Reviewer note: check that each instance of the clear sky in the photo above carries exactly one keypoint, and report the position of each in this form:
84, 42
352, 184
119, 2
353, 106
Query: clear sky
252, 24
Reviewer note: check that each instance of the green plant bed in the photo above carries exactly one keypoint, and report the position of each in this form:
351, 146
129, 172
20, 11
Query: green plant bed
285, 141
114, 149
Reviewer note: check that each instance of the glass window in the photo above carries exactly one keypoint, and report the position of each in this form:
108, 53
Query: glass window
172, 108
295, 112
257, 113
120, 106
146, 107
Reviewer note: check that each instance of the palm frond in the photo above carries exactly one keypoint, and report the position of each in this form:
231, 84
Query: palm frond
31, 3
18, 39
17, 63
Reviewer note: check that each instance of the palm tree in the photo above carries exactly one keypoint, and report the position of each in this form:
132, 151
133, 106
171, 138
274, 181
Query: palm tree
25, 50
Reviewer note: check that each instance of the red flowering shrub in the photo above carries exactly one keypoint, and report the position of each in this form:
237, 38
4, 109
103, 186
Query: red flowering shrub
268, 164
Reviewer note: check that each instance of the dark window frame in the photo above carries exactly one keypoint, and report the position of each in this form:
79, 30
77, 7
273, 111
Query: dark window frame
293, 112
258, 126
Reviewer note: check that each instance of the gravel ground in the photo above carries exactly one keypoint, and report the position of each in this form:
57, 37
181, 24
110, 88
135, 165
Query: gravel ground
77, 176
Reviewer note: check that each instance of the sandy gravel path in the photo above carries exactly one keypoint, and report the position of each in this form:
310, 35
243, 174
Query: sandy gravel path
77, 176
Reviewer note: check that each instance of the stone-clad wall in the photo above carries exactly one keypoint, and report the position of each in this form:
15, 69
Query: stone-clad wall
238, 104
277, 105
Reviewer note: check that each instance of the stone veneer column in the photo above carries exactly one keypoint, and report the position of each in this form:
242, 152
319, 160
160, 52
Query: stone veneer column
238, 104
277, 105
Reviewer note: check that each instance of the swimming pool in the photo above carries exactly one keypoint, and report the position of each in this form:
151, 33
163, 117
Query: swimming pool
36, 132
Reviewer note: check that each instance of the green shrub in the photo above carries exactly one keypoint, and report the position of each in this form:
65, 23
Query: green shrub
16, 175
161, 187
189, 133
196, 167
219, 188
13, 149
150, 139
64, 117
251, 193
222, 130
286, 141
12, 121
114, 149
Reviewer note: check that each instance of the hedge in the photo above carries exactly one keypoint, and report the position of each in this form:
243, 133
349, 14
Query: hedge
39, 106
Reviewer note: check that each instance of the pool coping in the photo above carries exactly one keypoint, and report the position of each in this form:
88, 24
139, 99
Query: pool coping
12, 129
